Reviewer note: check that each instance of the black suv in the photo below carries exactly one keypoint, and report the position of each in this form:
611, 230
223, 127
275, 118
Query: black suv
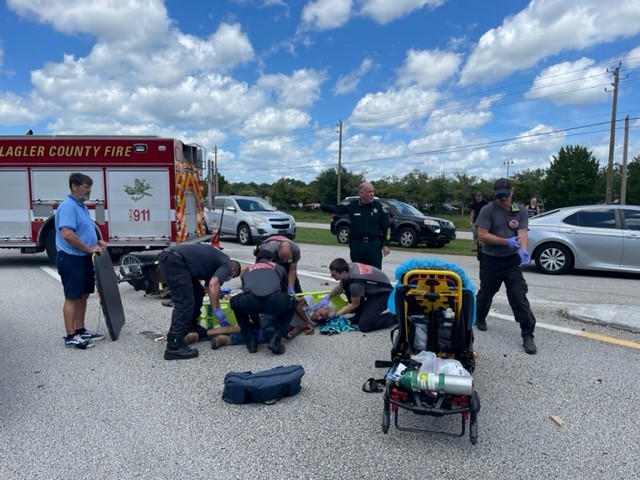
409, 226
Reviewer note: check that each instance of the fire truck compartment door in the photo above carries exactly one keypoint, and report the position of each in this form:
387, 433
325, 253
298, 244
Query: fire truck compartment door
138, 204
52, 186
14, 204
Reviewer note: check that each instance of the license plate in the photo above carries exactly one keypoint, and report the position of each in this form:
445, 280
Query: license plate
282, 232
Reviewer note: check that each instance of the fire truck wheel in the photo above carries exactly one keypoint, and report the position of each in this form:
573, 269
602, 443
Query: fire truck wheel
50, 246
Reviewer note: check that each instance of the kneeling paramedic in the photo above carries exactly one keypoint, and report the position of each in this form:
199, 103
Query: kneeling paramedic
264, 290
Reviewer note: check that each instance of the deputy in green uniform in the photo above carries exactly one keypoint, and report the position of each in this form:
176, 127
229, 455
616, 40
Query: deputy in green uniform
369, 236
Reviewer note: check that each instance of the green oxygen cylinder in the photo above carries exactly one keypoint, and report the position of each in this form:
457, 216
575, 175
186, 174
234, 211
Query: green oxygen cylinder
416, 381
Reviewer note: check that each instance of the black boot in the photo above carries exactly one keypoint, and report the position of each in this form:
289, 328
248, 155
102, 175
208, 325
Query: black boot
252, 341
176, 350
276, 345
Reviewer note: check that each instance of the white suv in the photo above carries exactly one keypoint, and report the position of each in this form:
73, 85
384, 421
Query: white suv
249, 219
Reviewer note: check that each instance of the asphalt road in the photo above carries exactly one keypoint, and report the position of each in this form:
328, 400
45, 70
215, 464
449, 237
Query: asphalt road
119, 411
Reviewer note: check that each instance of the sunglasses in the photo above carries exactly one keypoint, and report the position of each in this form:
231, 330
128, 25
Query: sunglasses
502, 196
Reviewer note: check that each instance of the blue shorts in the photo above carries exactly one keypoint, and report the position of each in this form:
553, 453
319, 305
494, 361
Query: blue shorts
77, 275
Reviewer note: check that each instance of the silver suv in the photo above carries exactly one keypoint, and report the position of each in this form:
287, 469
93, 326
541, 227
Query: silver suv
249, 219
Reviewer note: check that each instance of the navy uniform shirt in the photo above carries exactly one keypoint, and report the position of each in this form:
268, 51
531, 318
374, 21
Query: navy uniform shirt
367, 219
204, 261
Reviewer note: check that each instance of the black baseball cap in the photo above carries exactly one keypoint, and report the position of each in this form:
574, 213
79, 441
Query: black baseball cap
502, 185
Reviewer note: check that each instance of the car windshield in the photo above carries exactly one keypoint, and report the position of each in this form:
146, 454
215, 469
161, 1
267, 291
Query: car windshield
255, 205
405, 208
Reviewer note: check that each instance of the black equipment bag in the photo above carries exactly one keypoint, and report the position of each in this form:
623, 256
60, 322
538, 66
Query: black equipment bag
266, 386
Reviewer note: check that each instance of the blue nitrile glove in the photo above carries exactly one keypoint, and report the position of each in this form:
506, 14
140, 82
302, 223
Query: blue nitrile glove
513, 242
291, 290
524, 257
323, 303
222, 318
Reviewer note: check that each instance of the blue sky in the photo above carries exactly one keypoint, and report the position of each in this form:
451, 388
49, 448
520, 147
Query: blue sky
442, 86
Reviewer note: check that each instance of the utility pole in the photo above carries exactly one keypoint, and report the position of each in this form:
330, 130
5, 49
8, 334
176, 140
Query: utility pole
215, 170
339, 162
625, 149
212, 177
612, 135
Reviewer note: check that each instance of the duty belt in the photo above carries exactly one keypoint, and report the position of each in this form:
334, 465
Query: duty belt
368, 239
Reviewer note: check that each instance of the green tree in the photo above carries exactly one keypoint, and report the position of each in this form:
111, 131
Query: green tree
413, 187
528, 184
287, 193
633, 182
387, 187
462, 189
438, 192
323, 188
571, 178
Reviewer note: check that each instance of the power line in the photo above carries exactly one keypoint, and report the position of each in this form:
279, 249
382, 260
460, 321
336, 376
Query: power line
518, 140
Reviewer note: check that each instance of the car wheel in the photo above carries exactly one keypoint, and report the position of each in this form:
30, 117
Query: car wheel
244, 235
343, 234
408, 238
553, 259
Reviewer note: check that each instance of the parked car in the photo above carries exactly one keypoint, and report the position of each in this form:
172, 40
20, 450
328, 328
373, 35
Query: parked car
409, 226
591, 237
249, 219
447, 207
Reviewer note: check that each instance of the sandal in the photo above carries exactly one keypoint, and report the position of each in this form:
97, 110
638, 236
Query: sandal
295, 331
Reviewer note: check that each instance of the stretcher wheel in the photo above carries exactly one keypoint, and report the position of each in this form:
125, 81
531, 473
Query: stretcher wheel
386, 417
473, 419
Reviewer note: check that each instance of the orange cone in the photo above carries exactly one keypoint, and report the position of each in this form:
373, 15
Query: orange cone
215, 235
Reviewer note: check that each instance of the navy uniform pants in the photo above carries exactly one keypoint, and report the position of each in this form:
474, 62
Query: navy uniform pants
494, 271
248, 307
369, 253
186, 293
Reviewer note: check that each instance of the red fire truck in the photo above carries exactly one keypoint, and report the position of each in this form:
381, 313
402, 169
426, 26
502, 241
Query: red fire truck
146, 195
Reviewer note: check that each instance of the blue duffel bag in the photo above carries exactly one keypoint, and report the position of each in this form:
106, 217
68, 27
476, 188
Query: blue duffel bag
266, 386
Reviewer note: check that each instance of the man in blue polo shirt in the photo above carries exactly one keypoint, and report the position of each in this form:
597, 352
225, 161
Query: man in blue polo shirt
76, 241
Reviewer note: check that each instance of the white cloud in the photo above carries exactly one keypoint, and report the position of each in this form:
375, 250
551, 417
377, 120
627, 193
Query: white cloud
427, 68
326, 14
131, 22
349, 82
572, 84
272, 121
632, 59
385, 11
15, 111
299, 90
395, 107
536, 140
546, 28
444, 119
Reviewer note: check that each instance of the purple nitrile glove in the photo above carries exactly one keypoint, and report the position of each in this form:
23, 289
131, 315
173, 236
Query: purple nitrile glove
513, 242
291, 291
222, 318
524, 257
